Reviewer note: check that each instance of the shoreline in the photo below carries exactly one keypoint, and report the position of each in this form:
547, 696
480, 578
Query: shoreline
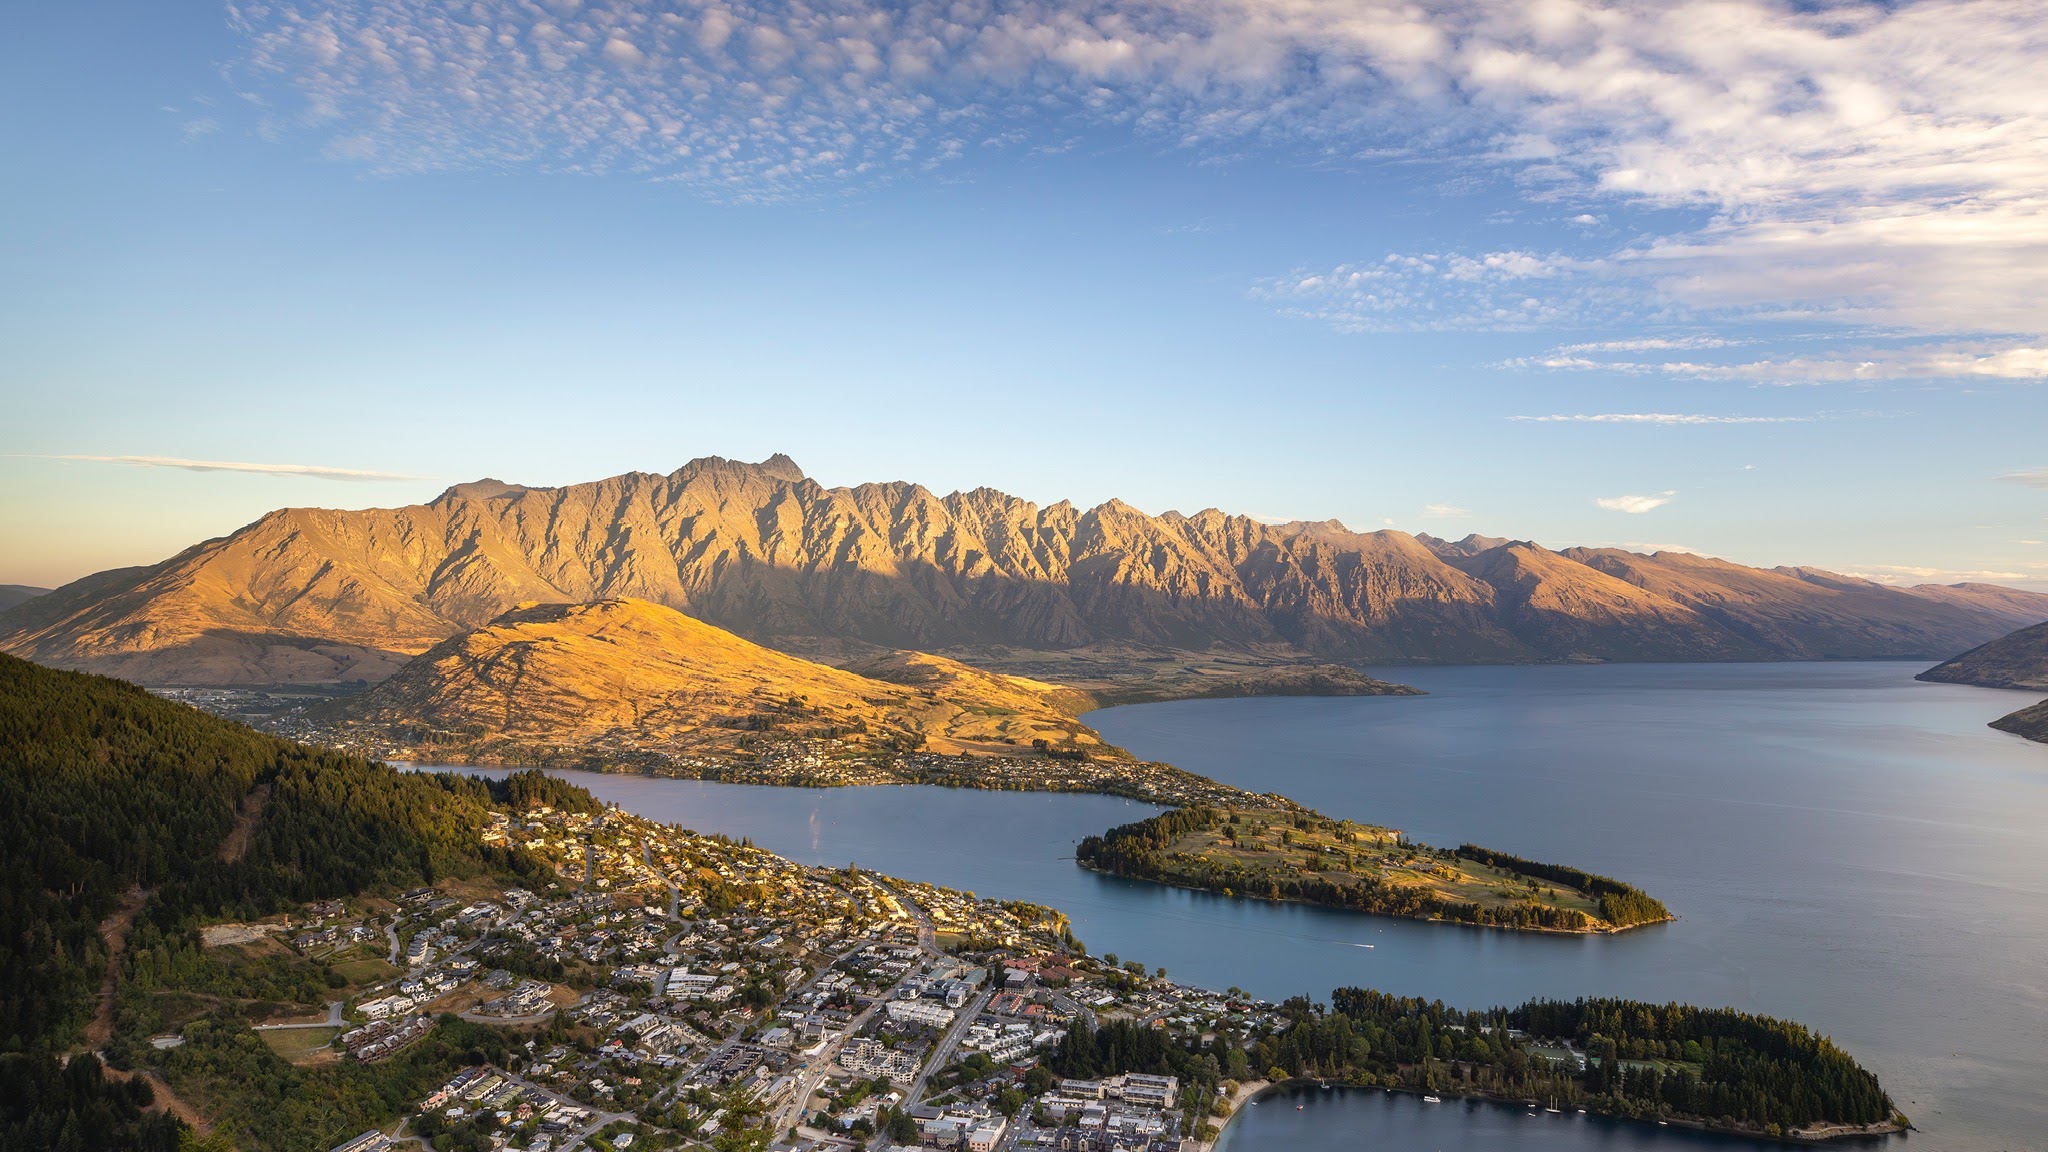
1824, 1135
1273, 800
1611, 930
1243, 1093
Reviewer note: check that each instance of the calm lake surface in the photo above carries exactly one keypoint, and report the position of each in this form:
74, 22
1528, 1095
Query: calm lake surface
1844, 846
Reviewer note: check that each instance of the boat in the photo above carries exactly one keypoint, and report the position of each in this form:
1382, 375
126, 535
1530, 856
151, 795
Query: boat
1432, 1100
1297, 1107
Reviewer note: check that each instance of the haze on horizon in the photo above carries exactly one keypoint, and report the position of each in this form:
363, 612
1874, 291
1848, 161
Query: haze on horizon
1756, 279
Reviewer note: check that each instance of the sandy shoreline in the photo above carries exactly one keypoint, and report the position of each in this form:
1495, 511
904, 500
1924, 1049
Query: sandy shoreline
1244, 1092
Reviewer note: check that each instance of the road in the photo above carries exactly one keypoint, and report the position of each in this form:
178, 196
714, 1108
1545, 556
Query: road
942, 1052
675, 894
818, 1067
598, 1117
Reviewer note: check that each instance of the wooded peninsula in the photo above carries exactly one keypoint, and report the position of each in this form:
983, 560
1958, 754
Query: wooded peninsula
1304, 856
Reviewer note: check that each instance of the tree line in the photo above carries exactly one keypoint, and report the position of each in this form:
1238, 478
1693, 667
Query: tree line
108, 794
1721, 1067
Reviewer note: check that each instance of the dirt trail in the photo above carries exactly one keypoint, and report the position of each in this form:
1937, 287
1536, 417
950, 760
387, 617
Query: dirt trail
166, 1100
236, 845
114, 931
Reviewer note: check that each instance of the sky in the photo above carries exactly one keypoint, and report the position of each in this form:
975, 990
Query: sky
1759, 280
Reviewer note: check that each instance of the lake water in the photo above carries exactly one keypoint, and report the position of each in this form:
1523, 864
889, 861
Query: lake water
1843, 846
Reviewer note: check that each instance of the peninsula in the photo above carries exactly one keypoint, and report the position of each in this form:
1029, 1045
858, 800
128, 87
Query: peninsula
2020, 661
298, 949
1303, 856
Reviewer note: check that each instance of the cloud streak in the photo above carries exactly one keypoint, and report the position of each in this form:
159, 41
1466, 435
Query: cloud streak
1634, 505
2031, 477
311, 471
1666, 418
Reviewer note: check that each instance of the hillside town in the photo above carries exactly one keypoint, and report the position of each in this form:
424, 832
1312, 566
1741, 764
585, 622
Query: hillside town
677, 990
806, 763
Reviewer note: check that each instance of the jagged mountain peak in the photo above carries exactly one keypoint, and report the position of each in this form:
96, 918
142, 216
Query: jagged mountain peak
762, 551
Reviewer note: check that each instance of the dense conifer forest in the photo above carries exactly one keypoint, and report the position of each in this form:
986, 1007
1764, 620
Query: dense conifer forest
112, 800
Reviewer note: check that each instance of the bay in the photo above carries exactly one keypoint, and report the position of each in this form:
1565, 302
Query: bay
1843, 845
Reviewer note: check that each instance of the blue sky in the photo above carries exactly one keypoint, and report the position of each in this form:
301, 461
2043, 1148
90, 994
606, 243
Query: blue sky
1741, 278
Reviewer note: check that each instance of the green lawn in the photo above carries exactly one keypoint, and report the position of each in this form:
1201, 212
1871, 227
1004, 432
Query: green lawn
297, 1044
361, 972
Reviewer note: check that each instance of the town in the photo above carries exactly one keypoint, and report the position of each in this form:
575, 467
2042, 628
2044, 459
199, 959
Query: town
807, 763
677, 990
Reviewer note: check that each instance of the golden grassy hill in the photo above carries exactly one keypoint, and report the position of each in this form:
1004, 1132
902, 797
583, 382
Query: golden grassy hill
629, 674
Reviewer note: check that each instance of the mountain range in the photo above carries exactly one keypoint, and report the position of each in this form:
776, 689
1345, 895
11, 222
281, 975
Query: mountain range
12, 594
309, 595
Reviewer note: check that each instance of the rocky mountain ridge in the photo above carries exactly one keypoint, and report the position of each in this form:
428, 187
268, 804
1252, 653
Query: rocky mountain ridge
312, 595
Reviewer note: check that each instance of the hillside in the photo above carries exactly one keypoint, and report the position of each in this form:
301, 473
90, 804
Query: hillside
626, 674
2019, 660
306, 595
2029, 722
13, 594
2016, 661
126, 821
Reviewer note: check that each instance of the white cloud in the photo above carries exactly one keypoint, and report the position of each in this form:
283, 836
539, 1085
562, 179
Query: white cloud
1869, 163
313, 471
2031, 477
1645, 546
1906, 574
1494, 291
1658, 418
1445, 511
1648, 344
1634, 505
1922, 361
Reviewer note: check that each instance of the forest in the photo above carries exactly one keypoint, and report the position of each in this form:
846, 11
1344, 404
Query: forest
1722, 1068
114, 800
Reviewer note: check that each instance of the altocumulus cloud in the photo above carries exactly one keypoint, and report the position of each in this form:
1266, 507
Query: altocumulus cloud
1865, 163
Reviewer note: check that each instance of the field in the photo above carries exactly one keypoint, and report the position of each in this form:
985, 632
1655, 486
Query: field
299, 1045
367, 971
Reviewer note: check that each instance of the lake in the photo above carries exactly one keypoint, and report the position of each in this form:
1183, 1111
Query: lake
1843, 845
